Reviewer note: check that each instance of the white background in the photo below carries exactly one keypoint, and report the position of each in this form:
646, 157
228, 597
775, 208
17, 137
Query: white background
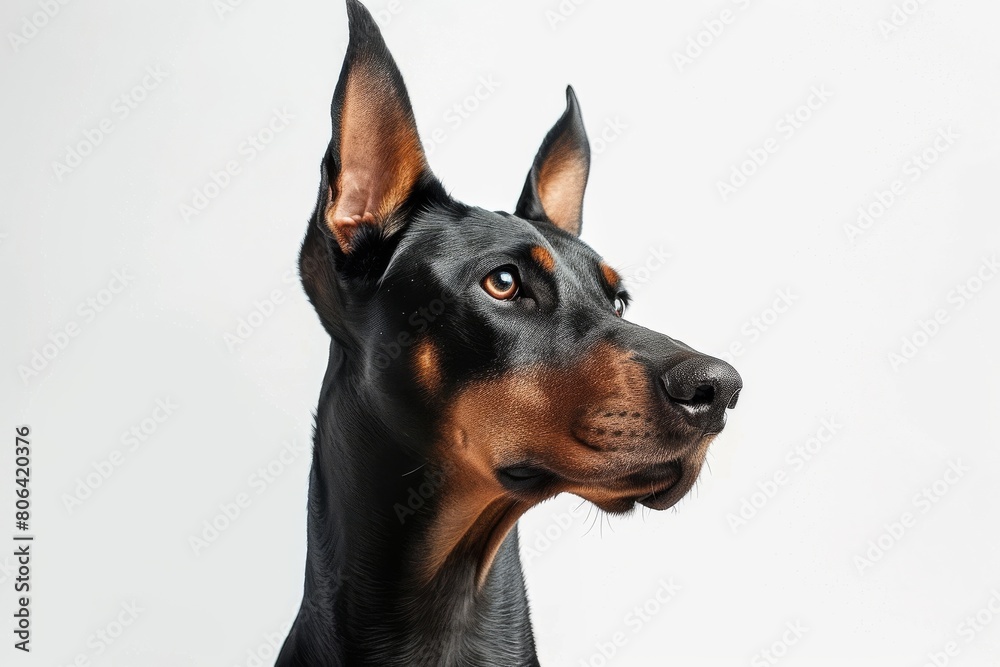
681, 130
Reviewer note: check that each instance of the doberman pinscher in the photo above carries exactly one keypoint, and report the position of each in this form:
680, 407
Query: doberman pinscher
479, 364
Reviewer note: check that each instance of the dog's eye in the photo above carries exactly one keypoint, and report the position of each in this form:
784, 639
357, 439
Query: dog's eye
619, 306
502, 284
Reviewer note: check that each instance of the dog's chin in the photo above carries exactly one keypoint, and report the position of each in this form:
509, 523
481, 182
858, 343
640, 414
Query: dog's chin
666, 497
672, 484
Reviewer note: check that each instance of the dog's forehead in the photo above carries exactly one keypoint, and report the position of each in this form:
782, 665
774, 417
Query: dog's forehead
457, 239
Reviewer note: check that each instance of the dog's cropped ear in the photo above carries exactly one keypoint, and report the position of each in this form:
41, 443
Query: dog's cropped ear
554, 189
375, 159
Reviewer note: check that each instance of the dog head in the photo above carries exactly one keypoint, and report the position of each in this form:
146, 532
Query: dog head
503, 335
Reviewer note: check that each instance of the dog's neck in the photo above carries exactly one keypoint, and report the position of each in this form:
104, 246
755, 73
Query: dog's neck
404, 566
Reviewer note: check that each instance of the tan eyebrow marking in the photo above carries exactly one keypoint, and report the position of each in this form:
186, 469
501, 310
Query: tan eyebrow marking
544, 258
610, 275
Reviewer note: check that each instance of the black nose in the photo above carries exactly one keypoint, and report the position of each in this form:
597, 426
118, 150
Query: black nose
702, 388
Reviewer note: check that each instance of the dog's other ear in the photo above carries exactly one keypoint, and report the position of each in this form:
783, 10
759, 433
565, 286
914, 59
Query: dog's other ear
375, 159
554, 189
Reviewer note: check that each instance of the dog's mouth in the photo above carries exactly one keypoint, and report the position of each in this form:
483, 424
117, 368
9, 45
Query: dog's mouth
527, 478
657, 487
668, 491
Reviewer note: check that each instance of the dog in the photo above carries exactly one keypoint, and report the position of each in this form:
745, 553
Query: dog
479, 364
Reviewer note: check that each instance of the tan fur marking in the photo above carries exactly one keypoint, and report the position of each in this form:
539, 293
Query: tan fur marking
427, 365
381, 158
543, 258
610, 275
561, 182
589, 422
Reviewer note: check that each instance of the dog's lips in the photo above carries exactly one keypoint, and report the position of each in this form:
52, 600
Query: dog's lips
665, 493
525, 478
663, 499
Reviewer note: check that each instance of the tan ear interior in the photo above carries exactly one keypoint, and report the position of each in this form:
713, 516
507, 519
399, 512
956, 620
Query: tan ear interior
561, 183
381, 158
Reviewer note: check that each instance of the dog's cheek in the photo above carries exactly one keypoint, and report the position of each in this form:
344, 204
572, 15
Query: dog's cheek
426, 364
